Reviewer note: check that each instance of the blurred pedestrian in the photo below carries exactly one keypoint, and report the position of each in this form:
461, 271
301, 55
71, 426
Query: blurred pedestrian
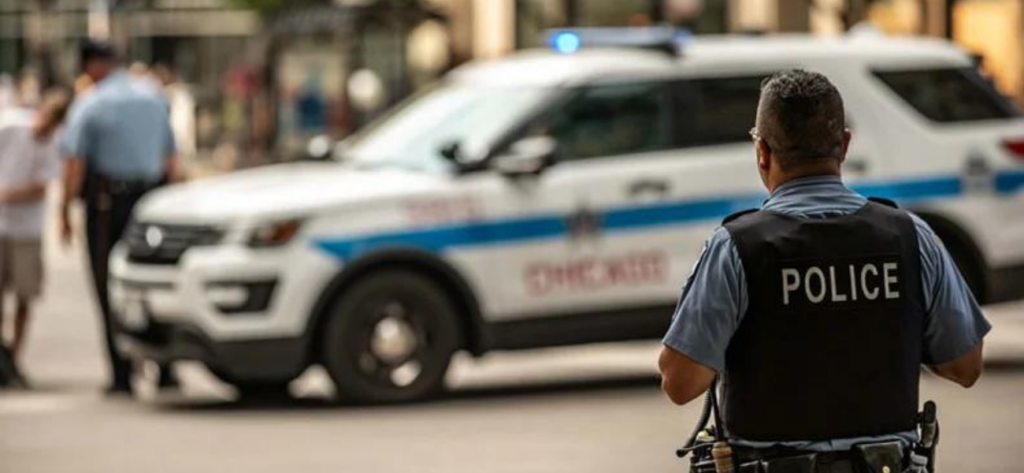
29, 160
119, 146
183, 110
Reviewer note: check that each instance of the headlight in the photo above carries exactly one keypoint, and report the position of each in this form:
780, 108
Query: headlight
274, 234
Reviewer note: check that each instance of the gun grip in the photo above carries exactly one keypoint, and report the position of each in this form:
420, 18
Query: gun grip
929, 414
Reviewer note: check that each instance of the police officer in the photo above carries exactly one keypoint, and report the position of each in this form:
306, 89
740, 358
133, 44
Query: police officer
817, 310
118, 145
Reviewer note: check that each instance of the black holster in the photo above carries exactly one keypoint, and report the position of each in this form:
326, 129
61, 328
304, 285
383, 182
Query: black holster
95, 183
881, 456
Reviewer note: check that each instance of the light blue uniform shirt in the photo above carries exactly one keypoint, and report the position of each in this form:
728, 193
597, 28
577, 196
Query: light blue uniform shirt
121, 129
715, 298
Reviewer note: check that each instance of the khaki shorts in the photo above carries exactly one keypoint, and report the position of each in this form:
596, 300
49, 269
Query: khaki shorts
21, 267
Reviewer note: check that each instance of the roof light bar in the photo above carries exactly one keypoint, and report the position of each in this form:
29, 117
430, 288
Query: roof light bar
659, 38
566, 42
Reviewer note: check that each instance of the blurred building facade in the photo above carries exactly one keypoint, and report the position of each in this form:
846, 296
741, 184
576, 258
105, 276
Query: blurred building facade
991, 29
260, 78
202, 41
196, 36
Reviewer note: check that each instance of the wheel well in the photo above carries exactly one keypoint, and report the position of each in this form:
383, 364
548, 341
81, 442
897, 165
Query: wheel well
414, 261
959, 242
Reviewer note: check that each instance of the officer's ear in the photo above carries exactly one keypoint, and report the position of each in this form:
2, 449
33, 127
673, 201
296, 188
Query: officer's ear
764, 154
847, 136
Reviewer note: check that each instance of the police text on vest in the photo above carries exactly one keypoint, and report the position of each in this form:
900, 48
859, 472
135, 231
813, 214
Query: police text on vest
865, 281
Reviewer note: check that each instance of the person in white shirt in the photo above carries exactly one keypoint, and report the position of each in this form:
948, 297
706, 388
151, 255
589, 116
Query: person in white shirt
183, 110
29, 160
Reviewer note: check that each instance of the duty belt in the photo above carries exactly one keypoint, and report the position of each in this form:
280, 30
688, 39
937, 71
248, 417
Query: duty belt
126, 186
711, 452
881, 457
100, 190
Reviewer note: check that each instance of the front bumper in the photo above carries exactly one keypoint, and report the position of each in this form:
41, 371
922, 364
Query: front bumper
249, 360
241, 311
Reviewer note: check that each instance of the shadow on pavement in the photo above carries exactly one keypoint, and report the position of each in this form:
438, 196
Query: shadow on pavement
48, 386
1004, 365
496, 393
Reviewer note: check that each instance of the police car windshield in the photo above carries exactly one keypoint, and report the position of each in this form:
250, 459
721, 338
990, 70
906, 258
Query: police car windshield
412, 135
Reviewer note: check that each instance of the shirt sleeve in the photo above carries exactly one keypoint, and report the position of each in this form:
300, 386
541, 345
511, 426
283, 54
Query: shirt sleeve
712, 304
954, 323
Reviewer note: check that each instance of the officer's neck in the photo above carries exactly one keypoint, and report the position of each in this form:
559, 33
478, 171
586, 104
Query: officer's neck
780, 177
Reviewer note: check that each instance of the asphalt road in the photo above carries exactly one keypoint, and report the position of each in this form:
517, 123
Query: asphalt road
590, 409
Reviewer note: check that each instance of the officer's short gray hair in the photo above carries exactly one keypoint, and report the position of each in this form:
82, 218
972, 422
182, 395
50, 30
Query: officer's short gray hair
801, 117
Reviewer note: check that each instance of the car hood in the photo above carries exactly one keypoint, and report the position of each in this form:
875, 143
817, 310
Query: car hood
284, 190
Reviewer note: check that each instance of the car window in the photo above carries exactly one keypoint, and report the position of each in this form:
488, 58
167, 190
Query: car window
715, 111
474, 117
608, 120
949, 95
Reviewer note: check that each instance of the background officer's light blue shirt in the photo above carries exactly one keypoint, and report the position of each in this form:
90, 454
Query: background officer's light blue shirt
121, 129
715, 297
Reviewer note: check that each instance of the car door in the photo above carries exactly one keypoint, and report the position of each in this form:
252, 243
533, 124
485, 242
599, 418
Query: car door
871, 128
625, 214
562, 249
712, 171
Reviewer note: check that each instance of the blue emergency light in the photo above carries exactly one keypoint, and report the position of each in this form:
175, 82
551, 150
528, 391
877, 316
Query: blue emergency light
659, 38
566, 42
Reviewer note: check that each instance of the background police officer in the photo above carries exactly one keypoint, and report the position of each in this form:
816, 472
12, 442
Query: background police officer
119, 145
818, 309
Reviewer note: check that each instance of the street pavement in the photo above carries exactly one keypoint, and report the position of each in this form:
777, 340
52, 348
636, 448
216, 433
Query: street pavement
589, 409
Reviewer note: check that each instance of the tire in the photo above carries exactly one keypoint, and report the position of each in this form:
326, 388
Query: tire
389, 338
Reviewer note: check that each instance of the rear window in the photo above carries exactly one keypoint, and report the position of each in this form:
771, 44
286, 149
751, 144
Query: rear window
949, 95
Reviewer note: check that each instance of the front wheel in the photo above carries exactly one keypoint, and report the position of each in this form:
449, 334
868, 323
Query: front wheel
390, 338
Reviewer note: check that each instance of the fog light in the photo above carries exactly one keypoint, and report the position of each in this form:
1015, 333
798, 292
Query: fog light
227, 296
240, 297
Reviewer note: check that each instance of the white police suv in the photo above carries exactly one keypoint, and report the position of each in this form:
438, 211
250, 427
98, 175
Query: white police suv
549, 198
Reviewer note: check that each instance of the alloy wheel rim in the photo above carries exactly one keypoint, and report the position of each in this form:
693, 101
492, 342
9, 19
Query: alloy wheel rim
394, 346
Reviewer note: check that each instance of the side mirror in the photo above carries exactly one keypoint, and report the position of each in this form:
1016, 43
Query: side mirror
455, 154
526, 157
451, 150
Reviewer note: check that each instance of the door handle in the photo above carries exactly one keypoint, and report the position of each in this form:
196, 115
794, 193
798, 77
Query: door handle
656, 187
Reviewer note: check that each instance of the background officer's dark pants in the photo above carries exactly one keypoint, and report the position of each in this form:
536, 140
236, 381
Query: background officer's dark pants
106, 217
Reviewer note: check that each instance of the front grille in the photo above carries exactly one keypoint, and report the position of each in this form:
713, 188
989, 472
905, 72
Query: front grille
160, 244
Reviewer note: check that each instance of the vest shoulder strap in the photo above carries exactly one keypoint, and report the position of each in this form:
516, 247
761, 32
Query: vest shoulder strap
885, 202
738, 215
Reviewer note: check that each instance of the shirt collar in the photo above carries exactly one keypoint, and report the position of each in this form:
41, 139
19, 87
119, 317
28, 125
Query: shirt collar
796, 188
116, 75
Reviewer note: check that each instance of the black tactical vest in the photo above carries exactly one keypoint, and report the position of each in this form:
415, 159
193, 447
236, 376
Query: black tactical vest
830, 345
